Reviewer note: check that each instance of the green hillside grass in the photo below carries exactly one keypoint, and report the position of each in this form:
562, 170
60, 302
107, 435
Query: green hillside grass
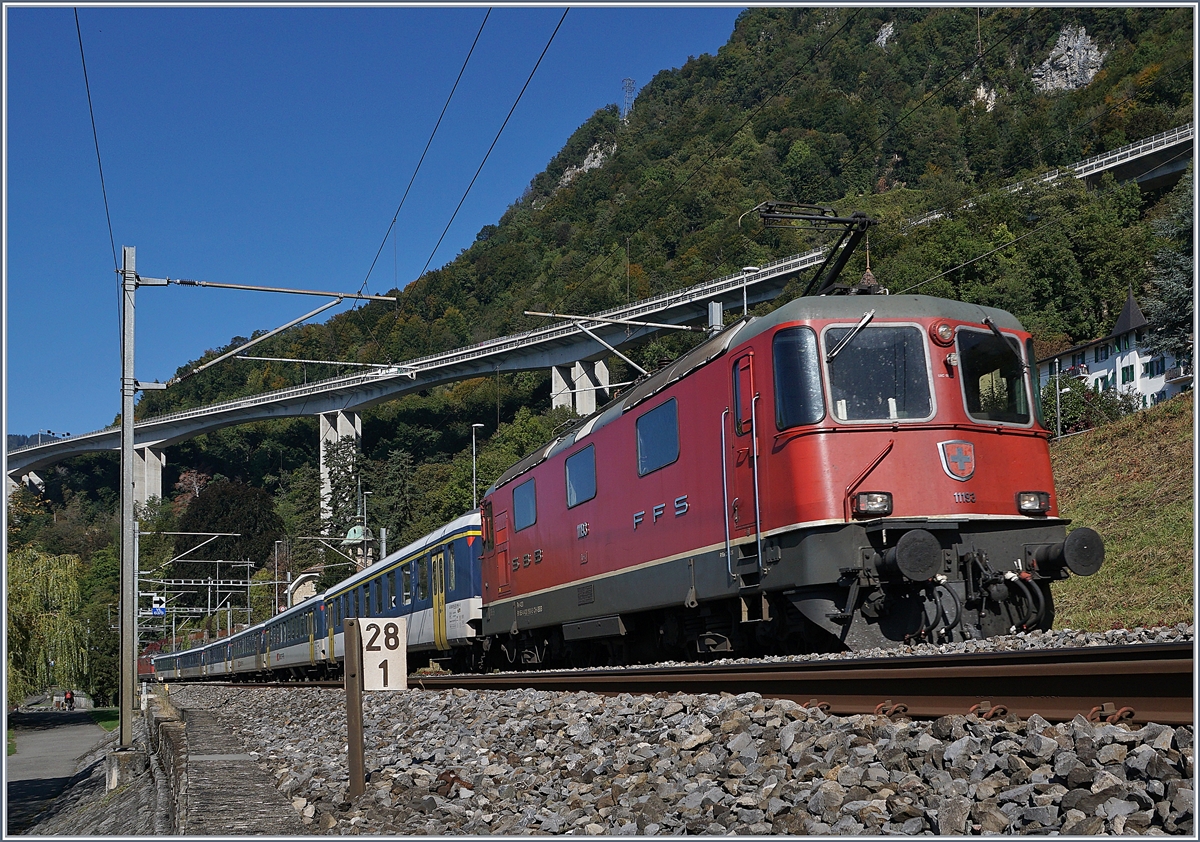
1131, 481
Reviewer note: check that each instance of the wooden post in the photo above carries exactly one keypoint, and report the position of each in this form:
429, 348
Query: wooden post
354, 708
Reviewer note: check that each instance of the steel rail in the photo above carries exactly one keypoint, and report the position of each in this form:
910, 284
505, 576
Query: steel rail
1144, 683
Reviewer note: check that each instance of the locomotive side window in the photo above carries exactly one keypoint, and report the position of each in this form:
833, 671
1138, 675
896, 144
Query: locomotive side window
525, 505
993, 377
879, 375
743, 395
581, 476
798, 398
658, 438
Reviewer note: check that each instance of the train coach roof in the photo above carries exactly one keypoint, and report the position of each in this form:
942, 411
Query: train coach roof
470, 519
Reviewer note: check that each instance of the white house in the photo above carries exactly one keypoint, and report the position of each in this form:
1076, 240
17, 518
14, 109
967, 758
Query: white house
1117, 362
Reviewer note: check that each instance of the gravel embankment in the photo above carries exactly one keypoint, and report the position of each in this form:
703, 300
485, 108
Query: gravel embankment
468, 762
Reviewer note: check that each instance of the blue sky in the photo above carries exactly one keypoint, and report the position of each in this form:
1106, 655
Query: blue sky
270, 146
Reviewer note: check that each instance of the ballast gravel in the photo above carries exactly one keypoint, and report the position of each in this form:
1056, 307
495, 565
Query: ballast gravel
533, 762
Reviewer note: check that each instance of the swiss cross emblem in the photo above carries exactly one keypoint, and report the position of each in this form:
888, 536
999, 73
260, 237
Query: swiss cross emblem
958, 459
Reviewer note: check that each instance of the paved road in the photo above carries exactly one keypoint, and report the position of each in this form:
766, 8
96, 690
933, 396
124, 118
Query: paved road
49, 745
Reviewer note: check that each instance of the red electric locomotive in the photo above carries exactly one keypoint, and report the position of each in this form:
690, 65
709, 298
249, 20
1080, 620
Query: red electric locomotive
850, 471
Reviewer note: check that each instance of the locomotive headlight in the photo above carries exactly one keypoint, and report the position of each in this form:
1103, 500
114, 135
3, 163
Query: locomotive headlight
872, 503
942, 333
1033, 502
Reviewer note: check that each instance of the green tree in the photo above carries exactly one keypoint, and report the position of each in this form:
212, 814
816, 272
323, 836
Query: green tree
46, 640
1083, 408
227, 507
1169, 307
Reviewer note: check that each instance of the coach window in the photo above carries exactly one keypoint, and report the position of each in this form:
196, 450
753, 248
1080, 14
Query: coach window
524, 505
581, 476
658, 438
406, 583
798, 398
450, 567
993, 377
423, 578
878, 373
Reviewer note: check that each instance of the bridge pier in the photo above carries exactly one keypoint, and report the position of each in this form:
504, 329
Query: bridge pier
148, 463
28, 480
334, 426
576, 386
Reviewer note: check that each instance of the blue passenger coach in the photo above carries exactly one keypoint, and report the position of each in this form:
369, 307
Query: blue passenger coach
434, 583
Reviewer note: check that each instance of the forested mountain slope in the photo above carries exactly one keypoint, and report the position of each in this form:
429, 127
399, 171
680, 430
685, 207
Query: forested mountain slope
890, 111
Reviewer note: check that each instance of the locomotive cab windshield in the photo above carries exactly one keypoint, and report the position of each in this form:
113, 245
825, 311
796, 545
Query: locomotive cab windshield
881, 375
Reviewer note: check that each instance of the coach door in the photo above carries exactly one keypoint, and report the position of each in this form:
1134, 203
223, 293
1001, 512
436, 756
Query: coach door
503, 571
742, 452
439, 600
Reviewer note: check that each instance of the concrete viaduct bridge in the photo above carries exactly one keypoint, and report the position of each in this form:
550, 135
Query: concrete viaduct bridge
573, 352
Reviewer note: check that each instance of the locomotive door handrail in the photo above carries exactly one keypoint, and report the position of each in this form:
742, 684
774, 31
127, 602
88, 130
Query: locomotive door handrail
725, 495
757, 503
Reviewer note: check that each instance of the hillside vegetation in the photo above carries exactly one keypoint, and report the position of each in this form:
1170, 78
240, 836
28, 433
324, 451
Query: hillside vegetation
1131, 481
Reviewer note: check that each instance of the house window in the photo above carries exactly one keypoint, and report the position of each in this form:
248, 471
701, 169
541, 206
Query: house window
525, 505
1101, 353
1126, 374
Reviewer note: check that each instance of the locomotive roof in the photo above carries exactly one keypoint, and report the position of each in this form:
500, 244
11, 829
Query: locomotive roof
702, 354
849, 307
852, 307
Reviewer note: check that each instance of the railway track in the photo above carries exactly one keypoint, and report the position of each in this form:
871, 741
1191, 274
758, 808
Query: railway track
1134, 683
1142, 683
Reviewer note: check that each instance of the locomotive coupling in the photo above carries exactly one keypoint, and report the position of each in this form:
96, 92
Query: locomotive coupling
917, 556
1082, 552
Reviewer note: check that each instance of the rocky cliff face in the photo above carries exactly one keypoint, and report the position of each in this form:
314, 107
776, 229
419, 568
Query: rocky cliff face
1072, 63
596, 156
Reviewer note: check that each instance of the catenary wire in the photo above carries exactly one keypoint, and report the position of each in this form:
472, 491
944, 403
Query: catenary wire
494, 141
1042, 227
96, 139
112, 242
428, 143
723, 144
396, 316
391, 226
